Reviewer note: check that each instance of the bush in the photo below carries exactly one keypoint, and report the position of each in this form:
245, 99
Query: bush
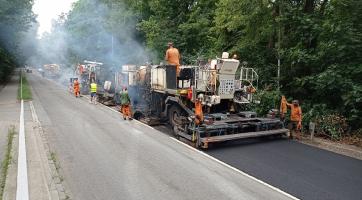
332, 125
268, 100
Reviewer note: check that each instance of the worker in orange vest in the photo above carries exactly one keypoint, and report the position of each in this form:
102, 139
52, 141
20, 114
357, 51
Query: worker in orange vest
126, 104
283, 108
199, 115
295, 119
76, 88
173, 57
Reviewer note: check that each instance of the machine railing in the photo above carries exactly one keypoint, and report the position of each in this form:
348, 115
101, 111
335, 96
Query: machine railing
249, 75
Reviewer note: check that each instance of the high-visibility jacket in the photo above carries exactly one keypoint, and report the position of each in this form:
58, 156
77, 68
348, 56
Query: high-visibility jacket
198, 112
93, 87
76, 85
295, 113
283, 105
173, 56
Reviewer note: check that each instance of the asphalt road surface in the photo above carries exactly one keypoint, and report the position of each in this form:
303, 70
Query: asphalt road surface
304, 171
301, 170
104, 157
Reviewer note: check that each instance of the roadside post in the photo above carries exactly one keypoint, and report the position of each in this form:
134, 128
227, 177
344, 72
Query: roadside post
311, 130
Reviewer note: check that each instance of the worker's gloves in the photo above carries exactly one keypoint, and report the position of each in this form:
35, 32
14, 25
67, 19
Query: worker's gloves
299, 126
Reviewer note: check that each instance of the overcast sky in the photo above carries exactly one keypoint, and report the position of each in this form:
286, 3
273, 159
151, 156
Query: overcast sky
48, 10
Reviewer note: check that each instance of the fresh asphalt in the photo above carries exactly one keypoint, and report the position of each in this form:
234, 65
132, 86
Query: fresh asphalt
103, 157
304, 171
301, 170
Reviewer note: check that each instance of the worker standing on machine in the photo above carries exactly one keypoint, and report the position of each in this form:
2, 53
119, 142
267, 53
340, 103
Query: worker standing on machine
125, 104
199, 115
93, 90
295, 119
173, 57
76, 88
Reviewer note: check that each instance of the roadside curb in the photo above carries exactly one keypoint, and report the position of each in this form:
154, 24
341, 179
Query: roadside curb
54, 180
342, 149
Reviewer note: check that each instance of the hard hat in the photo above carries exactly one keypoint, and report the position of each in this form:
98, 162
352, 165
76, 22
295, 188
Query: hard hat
295, 102
200, 96
170, 44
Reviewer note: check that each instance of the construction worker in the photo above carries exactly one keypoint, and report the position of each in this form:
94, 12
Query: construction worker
283, 108
199, 115
173, 57
125, 104
93, 90
76, 88
295, 119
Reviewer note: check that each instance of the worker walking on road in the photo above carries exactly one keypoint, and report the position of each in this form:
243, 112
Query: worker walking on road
173, 57
76, 88
93, 90
125, 104
295, 119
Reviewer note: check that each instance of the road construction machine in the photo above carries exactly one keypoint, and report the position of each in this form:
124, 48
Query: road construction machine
222, 86
51, 71
106, 77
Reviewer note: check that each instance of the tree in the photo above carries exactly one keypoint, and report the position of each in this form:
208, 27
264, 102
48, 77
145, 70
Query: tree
15, 18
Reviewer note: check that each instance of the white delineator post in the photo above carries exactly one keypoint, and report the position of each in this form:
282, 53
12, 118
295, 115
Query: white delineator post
22, 191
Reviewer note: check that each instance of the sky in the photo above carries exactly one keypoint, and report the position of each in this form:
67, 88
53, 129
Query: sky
47, 10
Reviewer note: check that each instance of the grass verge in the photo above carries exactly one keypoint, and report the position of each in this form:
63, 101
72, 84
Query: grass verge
24, 91
5, 163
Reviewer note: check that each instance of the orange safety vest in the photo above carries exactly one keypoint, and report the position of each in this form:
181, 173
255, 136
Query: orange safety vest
283, 105
198, 112
173, 56
76, 85
296, 113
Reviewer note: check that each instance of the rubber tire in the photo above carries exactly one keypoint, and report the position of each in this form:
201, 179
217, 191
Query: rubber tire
172, 112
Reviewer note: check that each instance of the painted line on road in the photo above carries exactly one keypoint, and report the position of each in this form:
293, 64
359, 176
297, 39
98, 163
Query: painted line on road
22, 190
37, 122
218, 161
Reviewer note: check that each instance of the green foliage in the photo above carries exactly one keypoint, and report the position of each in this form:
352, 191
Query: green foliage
7, 159
317, 41
24, 91
15, 19
268, 100
333, 125
185, 22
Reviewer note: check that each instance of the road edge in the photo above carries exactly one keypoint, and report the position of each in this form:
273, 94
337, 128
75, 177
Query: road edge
53, 178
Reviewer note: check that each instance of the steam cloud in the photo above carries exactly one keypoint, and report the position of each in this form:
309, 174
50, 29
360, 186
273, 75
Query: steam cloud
92, 31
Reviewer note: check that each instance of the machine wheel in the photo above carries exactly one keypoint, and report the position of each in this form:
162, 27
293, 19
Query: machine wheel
174, 113
138, 115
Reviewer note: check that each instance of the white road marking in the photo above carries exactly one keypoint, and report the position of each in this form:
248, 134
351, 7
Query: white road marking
22, 190
37, 122
219, 161
235, 169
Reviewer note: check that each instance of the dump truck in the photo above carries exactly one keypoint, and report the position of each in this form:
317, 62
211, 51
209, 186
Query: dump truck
223, 86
